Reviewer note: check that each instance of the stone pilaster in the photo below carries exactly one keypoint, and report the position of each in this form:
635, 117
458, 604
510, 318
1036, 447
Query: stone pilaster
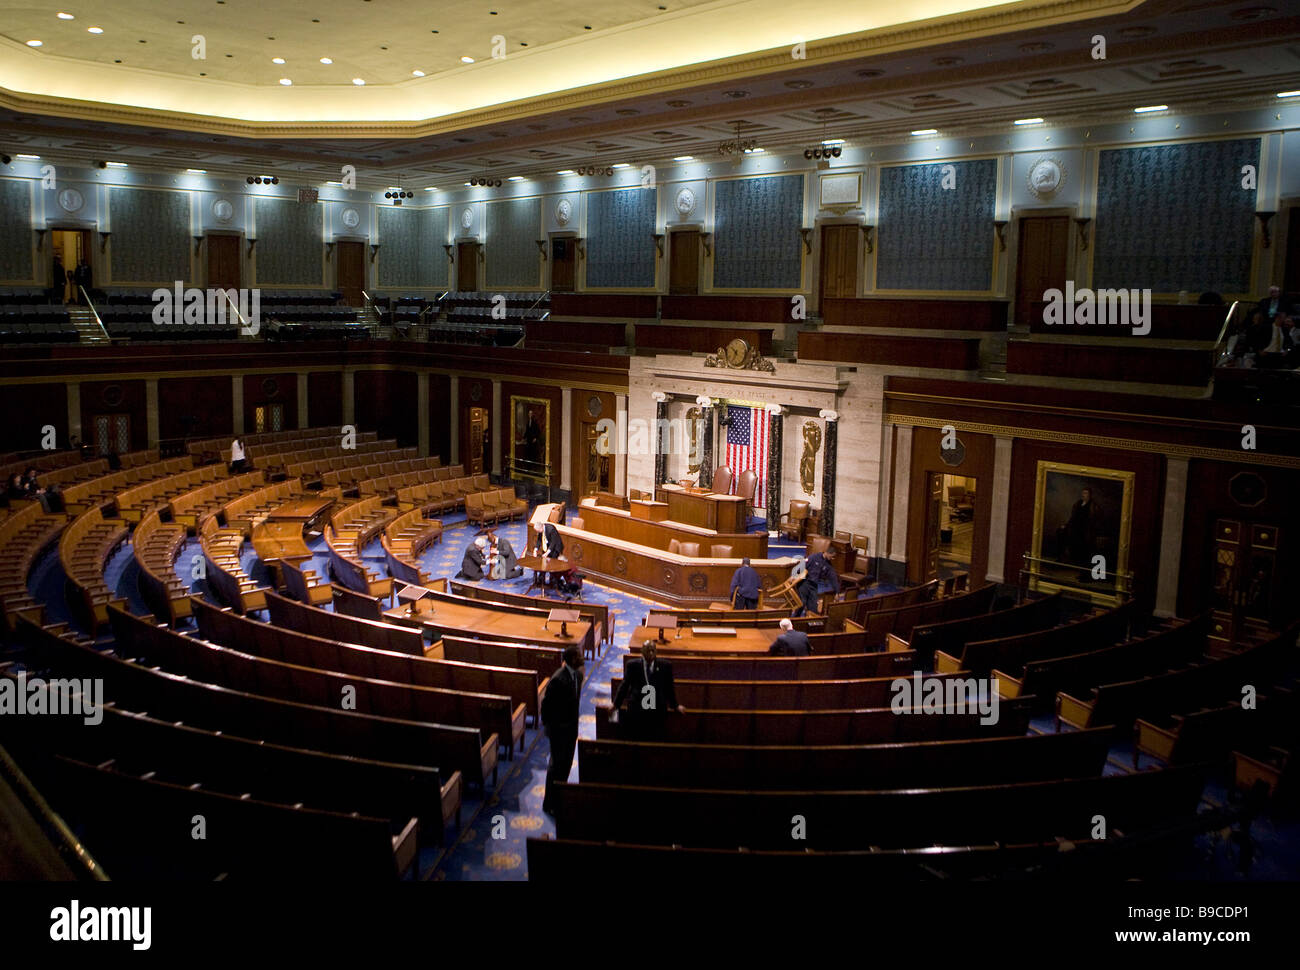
828, 471
775, 453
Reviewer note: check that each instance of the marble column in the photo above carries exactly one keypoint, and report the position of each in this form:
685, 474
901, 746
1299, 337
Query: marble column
301, 385
620, 453
661, 417
453, 415
497, 417
567, 443
151, 410
775, 452
829, 456
237, 403
706, 463
422, 415
1001, 511
1171, 537
902, 469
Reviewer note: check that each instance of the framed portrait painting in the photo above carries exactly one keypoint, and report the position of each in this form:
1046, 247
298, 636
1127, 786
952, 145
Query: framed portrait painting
530, 445
1083, 519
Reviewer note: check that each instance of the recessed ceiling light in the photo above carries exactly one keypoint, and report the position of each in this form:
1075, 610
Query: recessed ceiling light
515, 178
197, 171
326, 60
33, 43
926, 131
467, 59
417, 74
285, 81
622, 165
565, 171
358, 80
832, 141
683, 158
431, 188
29, 157
66, 16
1288, 94
470, 184
753, 151
1150, 107
95, 30
277, 60
1028, 121
115, 164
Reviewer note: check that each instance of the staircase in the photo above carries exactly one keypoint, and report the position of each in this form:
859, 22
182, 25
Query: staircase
370, 317
88, 329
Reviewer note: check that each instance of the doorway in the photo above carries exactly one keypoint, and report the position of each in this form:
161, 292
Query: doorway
684, 262
838, 277
268, 417
949, 525
478, 440
112, 434
351, 271
563, 264
1245, 594
223, 262
1042, 262
467, 267
68, 249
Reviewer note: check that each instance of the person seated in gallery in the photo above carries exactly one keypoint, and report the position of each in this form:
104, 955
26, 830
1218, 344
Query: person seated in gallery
473, 565
745, 586
791, 642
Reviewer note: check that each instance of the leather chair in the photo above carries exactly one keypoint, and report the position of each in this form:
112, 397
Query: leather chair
722, 480
745, 489
794, 524
674, 546
720, 551
689, 549
577, 522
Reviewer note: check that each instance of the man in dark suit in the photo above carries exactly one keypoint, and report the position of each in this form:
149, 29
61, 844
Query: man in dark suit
791, 642
1272, 305
560, 720
745, 586
819, 578
471, 566
649, 689
551, 543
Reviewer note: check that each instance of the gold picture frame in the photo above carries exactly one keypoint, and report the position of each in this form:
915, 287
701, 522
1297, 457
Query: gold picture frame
530, 438
1069, 532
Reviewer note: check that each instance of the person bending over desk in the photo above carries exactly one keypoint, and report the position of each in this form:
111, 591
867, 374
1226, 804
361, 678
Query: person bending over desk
745, 586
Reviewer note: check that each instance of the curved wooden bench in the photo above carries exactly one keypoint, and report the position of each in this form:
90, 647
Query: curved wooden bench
225, 573
155, 546
84, 549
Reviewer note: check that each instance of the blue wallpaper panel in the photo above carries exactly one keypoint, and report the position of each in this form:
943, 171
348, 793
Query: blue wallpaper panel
432, 235
16, 229
399, 250
511, 246
756, 241
620, 250
151, 235
289, 248
1175, 217
932, 238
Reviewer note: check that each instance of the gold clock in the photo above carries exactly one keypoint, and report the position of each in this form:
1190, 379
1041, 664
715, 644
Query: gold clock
737, 353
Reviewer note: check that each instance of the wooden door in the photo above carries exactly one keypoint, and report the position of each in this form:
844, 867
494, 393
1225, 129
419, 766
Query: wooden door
839, 262
593, 472
474, 456
223, 262
933, 523
1291, 271
684, 262
351, 271
467, 266
1042, 263
1245, 593
563, 265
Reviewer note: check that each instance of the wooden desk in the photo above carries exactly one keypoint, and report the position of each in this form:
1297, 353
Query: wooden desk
724, 513
278, 536
649, 511
747, 640
455, 618
546, 568
659, 535
300, 509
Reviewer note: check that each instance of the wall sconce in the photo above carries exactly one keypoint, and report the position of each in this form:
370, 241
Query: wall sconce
451, 252
659, 242
481, 257
198, 244
806, 236
1264, 218
329, 249
582, 247
707, 239
1000, 226
40, 239
103, 240
867, 233
1083, 231
251, 243
541, 248
374, 250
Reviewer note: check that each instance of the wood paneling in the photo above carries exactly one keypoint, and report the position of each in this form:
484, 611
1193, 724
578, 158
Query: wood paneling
564, 260
116, 397
440, 416
588, 468
977, 464
838, 276
1042, 261
223, 261
555, 423
737, 309
1148, 486
467, 266
603, 305
1169, 321
658, 535
27, 409
271, 389
684, 261
195, 407
351, 263
384, 401
1151, 365
475, 392
568, 333
982, 315
324, 398
949, 353
698, 339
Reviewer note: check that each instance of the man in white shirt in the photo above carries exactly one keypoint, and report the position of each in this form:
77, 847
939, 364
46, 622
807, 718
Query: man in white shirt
237, 461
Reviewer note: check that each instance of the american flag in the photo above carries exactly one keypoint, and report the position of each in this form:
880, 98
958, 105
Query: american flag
747, 447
